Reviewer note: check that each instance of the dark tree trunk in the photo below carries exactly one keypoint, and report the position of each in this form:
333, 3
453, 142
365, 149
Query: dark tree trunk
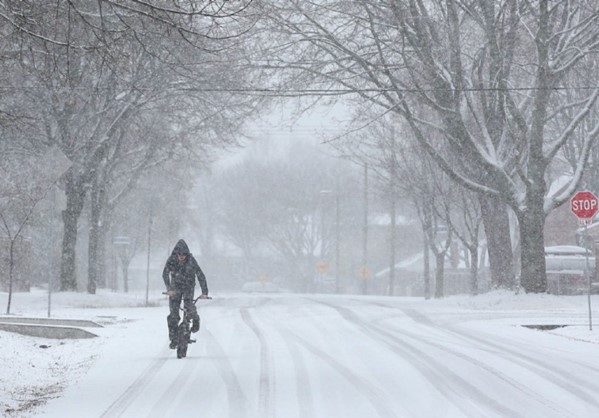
11, 265
439, 274
499, 244
105, 258
531, 221
532, 218
92, 253
474, 270
95, 236
427, 267
125, 271
70, 216
101, 258
533, 278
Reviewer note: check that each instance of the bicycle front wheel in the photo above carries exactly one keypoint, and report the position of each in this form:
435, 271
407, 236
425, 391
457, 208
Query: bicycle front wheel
183, 340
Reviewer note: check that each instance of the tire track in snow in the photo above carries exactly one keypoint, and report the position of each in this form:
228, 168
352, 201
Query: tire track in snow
438, 374
124, 401
174, 390
120, 405
305, 400
365, 389
550, 372
472, 360
304, 395
494, 372
238, 402
265, 384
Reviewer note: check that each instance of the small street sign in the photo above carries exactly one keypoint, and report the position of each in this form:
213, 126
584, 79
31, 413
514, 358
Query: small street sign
121, 240
321, 267
364, 272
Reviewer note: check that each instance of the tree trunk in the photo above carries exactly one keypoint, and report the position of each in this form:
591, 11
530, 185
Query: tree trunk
439, 274
97, 196
125, 270
533, 278
474, 270
92, 253
427, 267
101, 281
70, 216
105, 258
11, 264
531, 221
499, 244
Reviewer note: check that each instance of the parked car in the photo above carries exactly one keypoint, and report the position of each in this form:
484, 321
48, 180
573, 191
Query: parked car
566, 267
261, 287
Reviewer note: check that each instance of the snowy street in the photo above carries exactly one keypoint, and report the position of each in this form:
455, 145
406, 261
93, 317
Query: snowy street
389, 209
347, 356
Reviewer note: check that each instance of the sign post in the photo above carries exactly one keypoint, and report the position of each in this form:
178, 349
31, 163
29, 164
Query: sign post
585, 205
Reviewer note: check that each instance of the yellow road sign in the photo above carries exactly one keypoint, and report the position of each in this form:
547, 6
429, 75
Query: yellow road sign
321, 267
364, 272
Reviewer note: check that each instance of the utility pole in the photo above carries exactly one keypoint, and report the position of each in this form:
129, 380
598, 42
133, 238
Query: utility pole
150, 220
337, 240
54, 235
365, 272
322, 265
392, 213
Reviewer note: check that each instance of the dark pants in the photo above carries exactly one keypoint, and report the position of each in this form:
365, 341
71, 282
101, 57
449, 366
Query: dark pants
174, 303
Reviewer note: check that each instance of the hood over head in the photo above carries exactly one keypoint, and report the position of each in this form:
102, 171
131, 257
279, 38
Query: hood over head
181, 248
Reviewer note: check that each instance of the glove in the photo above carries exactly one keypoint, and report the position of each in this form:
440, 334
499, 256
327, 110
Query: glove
203, 296
196, 325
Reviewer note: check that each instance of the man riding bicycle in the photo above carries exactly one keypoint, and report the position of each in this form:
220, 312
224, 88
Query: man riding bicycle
179, 276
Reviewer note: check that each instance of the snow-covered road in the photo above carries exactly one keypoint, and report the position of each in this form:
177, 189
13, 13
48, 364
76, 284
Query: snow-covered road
327, 356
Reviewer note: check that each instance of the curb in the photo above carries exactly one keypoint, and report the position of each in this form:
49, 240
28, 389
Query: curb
49, 327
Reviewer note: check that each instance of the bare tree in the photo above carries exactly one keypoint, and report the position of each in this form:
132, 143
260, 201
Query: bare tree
432, 194
243, 212
466, 224
191, 21
490, 100
377, 147
26, 181
284, 210
95, 88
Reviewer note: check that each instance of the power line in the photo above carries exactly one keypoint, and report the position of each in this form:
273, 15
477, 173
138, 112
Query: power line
320, 92
388, 90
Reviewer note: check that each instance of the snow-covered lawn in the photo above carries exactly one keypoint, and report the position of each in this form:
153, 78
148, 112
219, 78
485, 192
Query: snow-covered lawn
34, 370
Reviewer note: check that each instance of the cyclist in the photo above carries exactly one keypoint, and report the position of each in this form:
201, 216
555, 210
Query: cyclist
179, 276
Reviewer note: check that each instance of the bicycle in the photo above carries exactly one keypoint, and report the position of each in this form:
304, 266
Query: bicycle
183, 336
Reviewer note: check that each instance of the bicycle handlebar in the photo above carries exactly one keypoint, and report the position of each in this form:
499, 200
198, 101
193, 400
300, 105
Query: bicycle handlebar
195, 300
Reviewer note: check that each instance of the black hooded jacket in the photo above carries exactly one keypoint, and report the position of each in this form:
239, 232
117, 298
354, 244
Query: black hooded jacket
180, 275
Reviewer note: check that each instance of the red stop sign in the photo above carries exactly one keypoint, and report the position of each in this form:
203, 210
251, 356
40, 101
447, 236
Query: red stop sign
584, 205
